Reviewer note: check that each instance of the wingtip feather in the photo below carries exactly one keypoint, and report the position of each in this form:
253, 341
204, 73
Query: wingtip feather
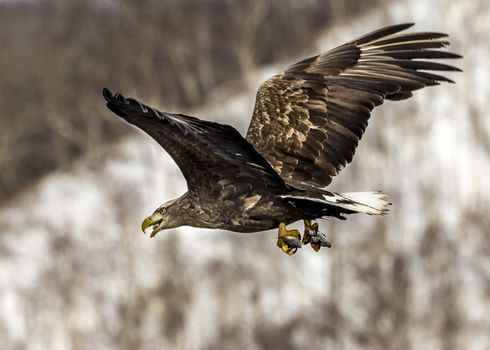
107, 94
382, 32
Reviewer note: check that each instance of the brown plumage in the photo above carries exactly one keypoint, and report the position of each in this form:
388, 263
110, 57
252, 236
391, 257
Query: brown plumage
306, 125
308, 119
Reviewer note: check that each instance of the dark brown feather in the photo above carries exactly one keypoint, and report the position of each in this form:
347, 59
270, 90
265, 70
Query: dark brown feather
308, 119
216, 161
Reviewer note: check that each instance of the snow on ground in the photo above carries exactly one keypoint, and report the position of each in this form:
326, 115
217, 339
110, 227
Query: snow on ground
75, 270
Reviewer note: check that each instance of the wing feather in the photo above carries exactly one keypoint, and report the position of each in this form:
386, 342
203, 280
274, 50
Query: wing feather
308, 119
214, 158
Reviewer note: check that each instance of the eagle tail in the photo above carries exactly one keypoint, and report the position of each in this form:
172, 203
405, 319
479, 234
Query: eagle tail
371, 203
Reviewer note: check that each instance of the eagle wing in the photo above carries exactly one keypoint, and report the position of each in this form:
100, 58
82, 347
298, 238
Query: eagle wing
214, 158
308, 119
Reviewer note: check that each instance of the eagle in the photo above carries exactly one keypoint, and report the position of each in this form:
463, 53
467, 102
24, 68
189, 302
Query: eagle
306, 125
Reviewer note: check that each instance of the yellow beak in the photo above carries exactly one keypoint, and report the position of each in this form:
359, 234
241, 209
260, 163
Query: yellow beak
152, 220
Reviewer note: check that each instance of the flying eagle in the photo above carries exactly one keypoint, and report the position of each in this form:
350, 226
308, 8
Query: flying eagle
306, 125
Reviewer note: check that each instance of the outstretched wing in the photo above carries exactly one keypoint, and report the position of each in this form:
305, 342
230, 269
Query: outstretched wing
214, 158
308, 119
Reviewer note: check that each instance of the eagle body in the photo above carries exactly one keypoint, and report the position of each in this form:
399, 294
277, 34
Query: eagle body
253, 209
306, 125
249, 212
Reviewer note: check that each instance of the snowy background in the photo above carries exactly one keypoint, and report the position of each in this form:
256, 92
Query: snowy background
76, 271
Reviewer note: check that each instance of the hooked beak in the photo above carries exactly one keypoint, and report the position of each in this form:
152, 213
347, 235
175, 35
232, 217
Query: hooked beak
152, 220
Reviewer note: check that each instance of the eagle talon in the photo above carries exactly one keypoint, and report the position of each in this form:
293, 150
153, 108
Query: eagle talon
315, 239
288, 240
289, 245
319, 240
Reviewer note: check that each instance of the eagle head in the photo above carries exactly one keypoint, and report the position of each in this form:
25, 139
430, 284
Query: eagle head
165, 217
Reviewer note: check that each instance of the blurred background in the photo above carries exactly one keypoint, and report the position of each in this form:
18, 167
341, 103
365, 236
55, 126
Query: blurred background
76, 181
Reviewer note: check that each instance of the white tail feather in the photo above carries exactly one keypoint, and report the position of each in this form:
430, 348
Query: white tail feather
372, 203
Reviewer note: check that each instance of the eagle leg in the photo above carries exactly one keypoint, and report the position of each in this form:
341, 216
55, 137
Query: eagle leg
288, 240
315, 239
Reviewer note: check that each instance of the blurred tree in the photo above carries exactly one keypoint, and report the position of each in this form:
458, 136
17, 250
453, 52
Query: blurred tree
57, 55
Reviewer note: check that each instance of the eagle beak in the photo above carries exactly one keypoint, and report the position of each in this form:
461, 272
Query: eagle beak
152, 220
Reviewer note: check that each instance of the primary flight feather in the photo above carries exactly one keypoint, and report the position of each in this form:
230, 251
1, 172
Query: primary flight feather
306, 125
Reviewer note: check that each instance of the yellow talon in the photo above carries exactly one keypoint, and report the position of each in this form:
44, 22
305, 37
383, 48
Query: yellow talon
288, 240
308, 226
315, 238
